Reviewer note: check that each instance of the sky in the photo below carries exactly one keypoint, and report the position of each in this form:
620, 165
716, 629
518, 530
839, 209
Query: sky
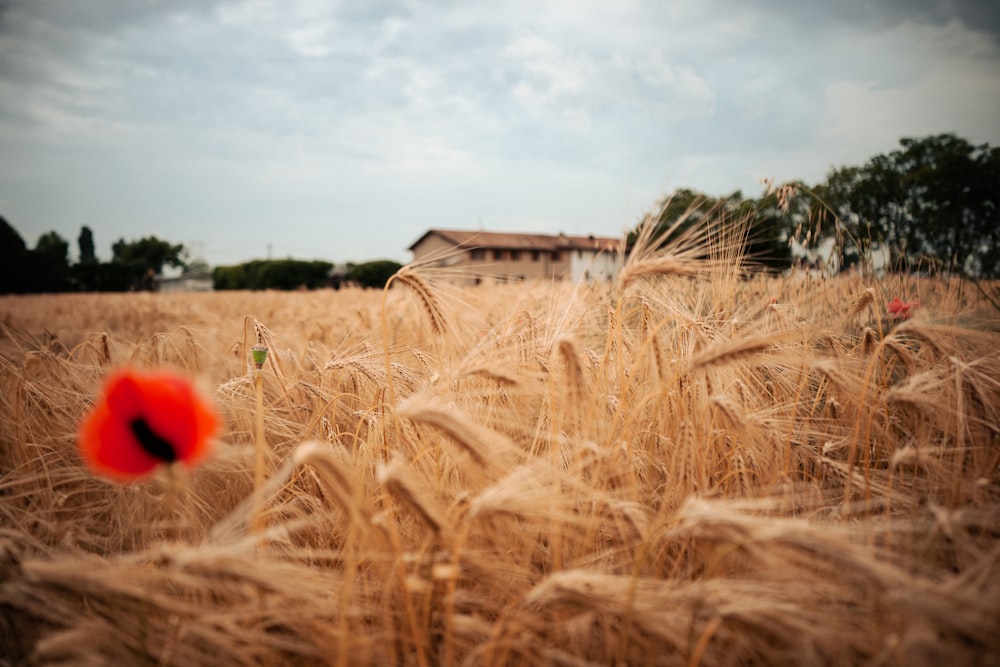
342, 131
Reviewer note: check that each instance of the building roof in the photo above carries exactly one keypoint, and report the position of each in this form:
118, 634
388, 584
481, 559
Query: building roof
519, 241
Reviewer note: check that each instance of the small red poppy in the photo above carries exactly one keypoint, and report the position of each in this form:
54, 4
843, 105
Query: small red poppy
900, 310
142, 420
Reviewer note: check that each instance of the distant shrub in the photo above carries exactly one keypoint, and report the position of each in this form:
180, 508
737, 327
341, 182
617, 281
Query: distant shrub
282, 274
373, 274
105, 276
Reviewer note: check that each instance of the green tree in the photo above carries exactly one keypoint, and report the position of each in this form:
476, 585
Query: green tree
228, 277
685, 207
144, 259
283, 274
85, 242
375, 273
771, 221
934, 202
768, 222
13, 260
50, 264
150, 252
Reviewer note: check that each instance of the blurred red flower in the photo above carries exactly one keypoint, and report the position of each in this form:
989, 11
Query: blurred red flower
142, 420
900, 310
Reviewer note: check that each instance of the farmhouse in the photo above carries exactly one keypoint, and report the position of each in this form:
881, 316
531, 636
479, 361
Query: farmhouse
480, 256
189, 281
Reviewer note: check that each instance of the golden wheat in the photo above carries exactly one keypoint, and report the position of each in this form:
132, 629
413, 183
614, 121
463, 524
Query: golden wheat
670, 472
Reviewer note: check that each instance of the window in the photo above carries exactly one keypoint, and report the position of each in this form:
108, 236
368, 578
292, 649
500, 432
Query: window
555, 256
535, 255
477, 254
515, 255
498, 254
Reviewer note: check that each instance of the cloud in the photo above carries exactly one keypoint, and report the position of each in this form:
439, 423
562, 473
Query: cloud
980, 16
580, 87
863, 114
676, 91
912, 78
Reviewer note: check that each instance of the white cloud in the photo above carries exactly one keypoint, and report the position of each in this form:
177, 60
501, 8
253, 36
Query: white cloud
923, 79
959, 94
676, 91
579, 85
312, 41
545, 73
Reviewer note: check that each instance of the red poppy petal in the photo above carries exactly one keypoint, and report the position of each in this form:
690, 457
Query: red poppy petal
169, 412
179, 414
142, 421
110, 449
123, 393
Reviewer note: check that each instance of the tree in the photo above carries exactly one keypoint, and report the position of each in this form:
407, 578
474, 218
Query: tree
375, 273
685, 207
771, 221
144, 259
768, 222
13, 260
50, 264
284, 274
150, 252
85, 242
934, 202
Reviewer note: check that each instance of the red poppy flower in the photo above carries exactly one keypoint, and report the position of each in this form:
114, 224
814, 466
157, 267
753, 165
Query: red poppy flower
900, 310
142, 420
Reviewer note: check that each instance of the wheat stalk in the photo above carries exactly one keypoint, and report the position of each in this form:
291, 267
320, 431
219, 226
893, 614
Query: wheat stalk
485, 446
412, 279
731, 351
862, 301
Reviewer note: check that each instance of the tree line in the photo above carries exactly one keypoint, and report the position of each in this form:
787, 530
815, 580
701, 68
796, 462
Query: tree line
138, 265
134, 265
931, 204
289, 274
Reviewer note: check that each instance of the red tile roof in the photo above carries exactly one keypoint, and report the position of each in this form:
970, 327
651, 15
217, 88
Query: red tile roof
519, 241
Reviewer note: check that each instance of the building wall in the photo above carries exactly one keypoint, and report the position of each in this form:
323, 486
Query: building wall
435, 245
588, 265
502, 265
492, 264
506, 265
183, 284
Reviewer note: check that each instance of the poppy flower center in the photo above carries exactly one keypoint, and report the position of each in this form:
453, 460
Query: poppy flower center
152, 443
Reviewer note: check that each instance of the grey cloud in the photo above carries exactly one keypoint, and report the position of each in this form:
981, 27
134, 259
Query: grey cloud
977, 15
95, 16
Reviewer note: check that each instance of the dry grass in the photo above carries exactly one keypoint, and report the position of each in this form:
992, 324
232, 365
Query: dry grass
675, 471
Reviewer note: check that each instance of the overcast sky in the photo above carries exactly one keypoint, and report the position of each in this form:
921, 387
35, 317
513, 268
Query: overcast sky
343, 130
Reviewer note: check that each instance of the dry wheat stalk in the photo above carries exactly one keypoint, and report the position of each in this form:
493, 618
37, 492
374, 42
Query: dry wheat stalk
499, 375
398, 480
411, 278
486, 446
663, 265
730, 351
862, 301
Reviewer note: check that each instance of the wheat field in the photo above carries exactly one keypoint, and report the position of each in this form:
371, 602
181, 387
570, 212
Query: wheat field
686, 467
